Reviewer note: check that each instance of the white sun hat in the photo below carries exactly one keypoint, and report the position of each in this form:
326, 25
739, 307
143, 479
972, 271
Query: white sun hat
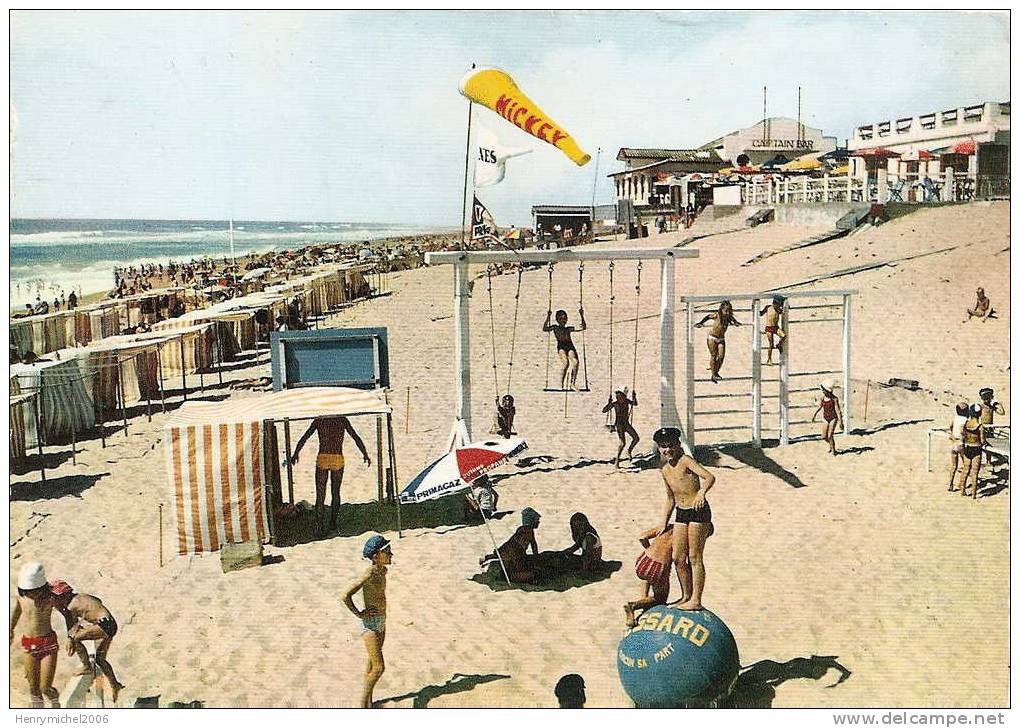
827, 385
32, 576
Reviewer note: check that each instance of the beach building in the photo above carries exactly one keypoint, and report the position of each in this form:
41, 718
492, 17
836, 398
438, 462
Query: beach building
768, 138
971, 140
568, 222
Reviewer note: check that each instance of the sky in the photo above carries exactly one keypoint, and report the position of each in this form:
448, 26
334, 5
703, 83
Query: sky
356, 116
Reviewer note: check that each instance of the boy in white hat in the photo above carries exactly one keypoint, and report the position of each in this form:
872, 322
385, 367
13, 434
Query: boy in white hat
39, 641
372, 586
832, 414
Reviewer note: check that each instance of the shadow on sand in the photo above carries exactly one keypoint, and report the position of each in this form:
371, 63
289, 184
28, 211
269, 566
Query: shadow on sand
752, 457
555, 571
756, 685
457, 684
65, 485
355, 519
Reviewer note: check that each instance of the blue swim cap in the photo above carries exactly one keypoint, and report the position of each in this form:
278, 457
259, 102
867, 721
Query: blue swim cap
374, 545
529, 517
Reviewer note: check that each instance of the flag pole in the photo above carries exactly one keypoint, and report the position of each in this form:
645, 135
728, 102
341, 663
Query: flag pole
594, 185
467, 166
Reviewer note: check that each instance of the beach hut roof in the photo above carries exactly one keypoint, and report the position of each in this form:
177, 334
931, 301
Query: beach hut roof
302, 403
670, 155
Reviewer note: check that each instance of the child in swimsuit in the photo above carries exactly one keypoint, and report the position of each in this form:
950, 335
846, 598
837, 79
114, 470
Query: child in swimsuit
87, 619
621, 404
989, 408
773, 332
717, 335
565, 349
586, 538
956, 438
514, 551
653, 569
505, 413
35, 604
832, 414
973, 445
372, 586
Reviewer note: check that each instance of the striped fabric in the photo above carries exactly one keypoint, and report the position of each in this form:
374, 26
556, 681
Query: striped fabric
218, 476
300, 403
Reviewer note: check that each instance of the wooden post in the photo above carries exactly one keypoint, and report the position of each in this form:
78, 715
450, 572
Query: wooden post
756, 372
290, 465
462, 354
123, 398
37, 400
184, 369
161, 535
219, 356
407, 411
159, 369
393, 470
784, 380
867, 393
847, 414
668, 415
379, 467
691, 436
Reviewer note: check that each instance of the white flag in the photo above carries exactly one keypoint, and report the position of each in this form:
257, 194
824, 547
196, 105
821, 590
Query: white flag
491, 156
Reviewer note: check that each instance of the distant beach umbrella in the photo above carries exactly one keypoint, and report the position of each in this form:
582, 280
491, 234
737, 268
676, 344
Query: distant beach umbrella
776, 162
919, 155
803, 164
836, 155
875, 153
967, 147
457, 469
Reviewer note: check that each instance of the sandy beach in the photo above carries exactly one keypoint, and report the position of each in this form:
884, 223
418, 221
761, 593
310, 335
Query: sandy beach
864, 557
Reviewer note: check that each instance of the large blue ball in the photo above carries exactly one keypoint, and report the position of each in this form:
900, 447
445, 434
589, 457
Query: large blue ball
676, 657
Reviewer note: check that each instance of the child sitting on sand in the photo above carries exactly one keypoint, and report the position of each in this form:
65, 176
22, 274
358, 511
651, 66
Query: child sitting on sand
372, 586
717, 335
832, 414
514, 552
773, 332
620, 404
35, 604
565, 349
87, 619
586, 538
982, 308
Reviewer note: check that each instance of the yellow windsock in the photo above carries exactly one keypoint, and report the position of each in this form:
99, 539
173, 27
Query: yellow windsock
494, 89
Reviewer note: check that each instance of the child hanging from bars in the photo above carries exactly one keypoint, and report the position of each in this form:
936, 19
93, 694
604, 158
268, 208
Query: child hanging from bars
773, 331
717, 335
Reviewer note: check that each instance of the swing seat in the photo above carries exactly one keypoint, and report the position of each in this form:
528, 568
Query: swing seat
555, 389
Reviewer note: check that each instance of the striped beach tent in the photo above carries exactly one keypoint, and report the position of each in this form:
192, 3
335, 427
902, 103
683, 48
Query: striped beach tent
221, 456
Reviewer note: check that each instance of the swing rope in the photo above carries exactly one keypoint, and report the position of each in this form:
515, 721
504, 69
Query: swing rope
580, 306
513, 333
610, 415
492, 329
548, 341
637, 318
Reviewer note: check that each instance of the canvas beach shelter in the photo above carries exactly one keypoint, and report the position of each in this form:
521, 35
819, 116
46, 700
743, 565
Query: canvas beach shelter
222, 460
457, 470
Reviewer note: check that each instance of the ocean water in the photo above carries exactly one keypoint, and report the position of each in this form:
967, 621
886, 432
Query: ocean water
50, 256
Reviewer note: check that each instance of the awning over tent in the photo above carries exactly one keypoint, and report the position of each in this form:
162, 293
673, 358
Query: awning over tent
301, 403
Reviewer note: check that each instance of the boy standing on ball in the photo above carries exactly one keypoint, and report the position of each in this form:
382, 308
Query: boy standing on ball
687, 482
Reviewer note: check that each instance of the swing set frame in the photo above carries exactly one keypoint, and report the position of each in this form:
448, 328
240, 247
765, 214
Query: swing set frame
461, 261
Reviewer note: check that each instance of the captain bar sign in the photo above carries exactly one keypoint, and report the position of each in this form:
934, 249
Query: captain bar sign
783, 143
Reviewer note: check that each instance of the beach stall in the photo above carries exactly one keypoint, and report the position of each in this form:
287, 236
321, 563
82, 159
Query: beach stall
64, 405
222, 460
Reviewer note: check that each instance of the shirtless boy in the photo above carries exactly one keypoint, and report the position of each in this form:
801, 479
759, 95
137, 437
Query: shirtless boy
329, 464
39, 641
565, 349
773, 332
372, 586
717, 335
687, 483
620, 403
87, 618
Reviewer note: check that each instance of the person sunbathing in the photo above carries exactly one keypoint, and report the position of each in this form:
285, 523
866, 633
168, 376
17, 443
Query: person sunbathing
87, 618
773, 332
621, 404
514, 552
565, 349
586, 539
982, 308
717, 335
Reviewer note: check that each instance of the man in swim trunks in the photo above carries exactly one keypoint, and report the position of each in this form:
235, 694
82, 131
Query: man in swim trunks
773, 332
982, 308
39, 642
565, 349
329, 464
621, 404
717, 335
87, 618
687, 482
372, 586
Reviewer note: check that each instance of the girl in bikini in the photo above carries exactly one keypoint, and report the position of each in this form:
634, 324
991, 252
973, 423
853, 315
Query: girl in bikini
39, 642
832, 414
565, 349
717, 335
973, 445
586, 538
